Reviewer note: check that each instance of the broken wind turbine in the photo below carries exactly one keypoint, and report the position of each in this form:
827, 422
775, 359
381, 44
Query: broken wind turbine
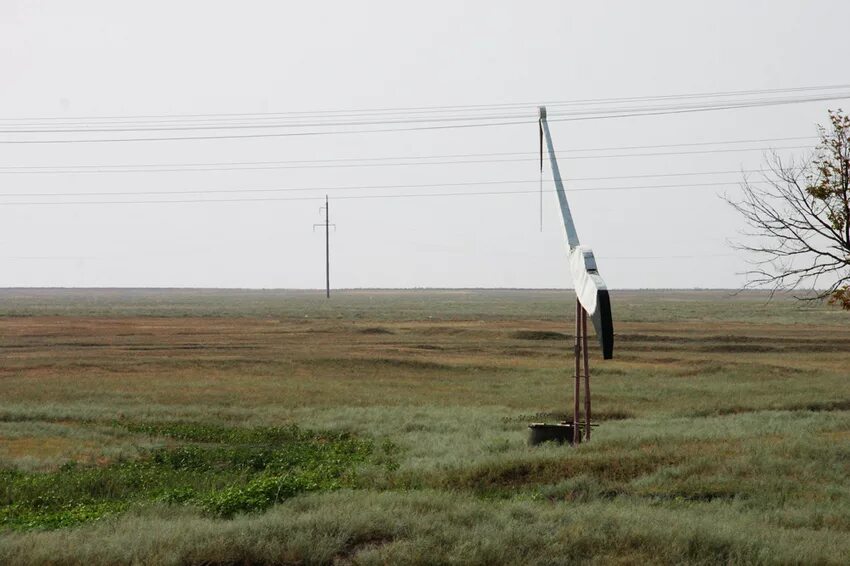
592, 301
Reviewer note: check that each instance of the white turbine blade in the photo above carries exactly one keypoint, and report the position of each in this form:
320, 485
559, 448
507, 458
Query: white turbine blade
586, 278
591, 291
569, 225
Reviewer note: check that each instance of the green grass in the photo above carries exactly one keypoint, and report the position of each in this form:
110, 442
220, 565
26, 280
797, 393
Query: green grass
391, 428
222, 471
428, 527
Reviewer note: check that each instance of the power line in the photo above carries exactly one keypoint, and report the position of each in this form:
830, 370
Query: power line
456, 108
700, 109
606, 258
591, 113
683, 256
454, 162
257, 126
378, 187
355, 197
357, 165
431, 127
237, 165
284, 122
267, 135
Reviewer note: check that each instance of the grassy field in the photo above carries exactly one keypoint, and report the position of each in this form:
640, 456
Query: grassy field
243, 427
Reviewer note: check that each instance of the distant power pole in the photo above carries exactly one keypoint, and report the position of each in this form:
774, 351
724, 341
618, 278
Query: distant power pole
327, 226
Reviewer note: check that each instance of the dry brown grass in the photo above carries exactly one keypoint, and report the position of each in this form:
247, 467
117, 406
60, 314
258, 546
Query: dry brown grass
250, 361
714, 411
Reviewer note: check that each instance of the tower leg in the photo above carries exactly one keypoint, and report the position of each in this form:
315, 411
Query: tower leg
577, 388
586, 375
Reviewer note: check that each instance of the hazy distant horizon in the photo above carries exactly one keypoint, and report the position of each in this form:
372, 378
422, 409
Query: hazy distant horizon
88, 199
349, 289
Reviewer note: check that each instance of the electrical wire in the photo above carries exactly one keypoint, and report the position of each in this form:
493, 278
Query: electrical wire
431, 127
345, 188
683, 256
381, 187
263, 135
256, 126
455, 162
593, 113
446, 108
171, 167
349, 197
630, 114
606, 258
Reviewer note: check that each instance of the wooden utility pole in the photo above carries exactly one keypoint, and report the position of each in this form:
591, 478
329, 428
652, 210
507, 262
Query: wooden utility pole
327, 226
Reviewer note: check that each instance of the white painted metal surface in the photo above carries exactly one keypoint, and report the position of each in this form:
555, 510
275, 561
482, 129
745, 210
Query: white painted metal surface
585, 277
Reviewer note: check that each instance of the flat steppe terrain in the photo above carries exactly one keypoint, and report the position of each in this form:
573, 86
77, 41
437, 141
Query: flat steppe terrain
243, 427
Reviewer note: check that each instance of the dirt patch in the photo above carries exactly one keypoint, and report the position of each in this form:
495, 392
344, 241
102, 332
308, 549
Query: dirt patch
45, 447
820, 406
376, 330
738, 348
442, 330
539, 335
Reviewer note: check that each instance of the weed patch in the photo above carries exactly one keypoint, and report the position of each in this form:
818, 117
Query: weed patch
221, 470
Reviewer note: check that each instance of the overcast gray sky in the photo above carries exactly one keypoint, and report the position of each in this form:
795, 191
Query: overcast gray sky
85, 58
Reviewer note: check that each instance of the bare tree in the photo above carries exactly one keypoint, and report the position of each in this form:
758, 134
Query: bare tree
799, 219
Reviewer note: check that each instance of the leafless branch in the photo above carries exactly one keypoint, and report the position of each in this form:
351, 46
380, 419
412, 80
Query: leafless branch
798, 225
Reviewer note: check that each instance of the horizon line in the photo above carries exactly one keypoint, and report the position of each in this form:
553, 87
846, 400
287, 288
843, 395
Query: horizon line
356, 289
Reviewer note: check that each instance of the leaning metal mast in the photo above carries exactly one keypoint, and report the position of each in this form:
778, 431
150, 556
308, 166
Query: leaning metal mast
592, 298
